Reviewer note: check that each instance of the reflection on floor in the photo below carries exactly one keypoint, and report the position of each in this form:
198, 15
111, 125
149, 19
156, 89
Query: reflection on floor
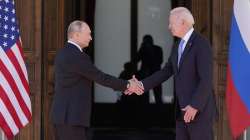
132, 134
133, 121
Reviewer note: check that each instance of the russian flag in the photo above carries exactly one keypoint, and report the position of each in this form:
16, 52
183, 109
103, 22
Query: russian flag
238, 71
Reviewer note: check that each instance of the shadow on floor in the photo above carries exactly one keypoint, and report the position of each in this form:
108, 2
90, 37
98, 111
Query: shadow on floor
132, 134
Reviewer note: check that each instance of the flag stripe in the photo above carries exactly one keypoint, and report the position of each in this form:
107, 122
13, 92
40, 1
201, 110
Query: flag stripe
239, 59
19, 44
13, 73
13, 86
14, 101
18, 52
238, 116
5, 127
10, 62
8, 118
17, 66
10, 107
241, 12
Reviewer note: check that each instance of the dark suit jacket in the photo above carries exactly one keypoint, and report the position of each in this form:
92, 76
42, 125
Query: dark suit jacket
74, 74
192, 80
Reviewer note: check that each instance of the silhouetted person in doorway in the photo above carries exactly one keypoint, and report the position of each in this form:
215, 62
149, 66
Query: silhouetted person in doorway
151, 59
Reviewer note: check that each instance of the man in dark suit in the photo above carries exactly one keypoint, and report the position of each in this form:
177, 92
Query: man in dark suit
74, 74
190, 63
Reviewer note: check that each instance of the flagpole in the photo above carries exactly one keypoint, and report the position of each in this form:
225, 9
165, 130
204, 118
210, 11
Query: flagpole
2, 135
245, 135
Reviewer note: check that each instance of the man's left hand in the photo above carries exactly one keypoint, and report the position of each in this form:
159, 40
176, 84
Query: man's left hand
190, 113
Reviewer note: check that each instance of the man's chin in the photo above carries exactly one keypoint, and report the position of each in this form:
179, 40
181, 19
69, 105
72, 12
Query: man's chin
86, 45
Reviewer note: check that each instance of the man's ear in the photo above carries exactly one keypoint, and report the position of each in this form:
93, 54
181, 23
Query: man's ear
76, 34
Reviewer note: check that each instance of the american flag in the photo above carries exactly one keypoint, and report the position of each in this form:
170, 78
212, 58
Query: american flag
15, 104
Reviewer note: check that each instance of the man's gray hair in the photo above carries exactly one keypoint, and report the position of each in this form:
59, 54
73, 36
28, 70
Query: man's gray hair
183, 13
75, 26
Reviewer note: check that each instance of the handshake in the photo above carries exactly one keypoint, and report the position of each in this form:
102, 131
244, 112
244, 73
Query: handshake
134, 86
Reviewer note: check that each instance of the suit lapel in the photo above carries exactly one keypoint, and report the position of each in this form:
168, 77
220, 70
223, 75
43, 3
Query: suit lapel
187, 48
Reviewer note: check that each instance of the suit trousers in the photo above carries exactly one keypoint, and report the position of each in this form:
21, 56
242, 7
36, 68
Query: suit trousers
70, 132
197, 130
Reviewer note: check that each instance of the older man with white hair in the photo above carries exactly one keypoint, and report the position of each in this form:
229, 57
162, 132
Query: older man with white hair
191, 64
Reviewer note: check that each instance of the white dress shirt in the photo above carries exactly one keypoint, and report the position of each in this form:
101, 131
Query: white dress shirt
186, 38
71, 42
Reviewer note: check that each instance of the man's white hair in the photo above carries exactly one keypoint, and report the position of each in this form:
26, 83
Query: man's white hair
75, 26
183, 13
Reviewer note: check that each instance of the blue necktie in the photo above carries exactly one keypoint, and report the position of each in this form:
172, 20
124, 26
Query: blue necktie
180, 50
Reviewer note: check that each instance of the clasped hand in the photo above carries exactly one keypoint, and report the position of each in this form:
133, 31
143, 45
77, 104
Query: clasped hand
135, 87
